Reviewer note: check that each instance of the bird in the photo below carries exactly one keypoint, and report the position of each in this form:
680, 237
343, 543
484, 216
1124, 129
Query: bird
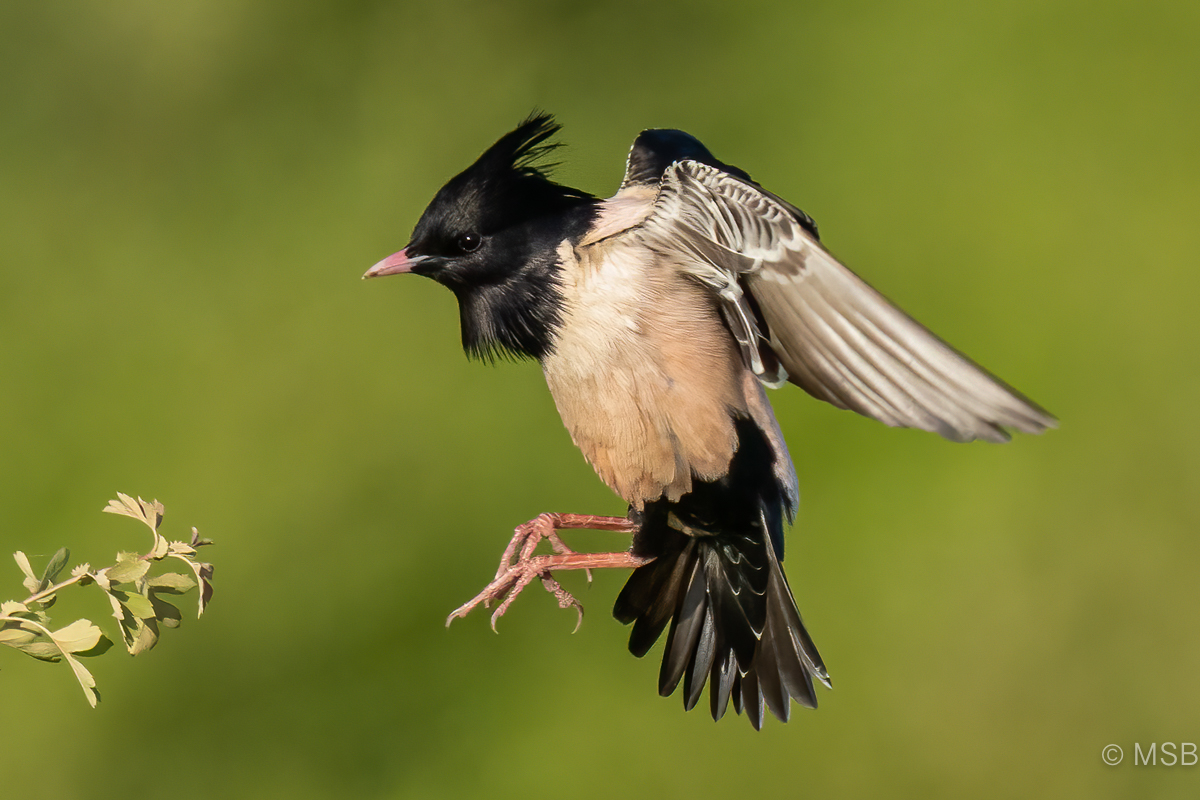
658, 316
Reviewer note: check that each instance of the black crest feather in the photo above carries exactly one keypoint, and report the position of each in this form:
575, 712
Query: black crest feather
521, 149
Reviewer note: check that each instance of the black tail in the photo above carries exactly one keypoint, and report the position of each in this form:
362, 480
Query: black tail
717, 579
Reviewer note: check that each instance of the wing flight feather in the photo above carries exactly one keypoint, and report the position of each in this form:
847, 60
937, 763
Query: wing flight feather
800, 315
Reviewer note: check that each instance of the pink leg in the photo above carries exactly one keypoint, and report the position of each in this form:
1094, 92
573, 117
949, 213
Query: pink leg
519, 566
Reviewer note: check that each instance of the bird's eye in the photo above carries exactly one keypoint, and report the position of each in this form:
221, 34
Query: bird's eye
469, 242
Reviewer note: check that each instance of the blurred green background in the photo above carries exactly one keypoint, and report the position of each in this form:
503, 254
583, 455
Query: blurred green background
190, 192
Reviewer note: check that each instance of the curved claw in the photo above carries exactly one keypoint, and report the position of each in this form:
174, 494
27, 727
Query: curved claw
565, 598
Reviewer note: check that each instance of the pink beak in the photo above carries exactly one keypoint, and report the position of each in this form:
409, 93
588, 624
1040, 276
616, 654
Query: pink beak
394, 264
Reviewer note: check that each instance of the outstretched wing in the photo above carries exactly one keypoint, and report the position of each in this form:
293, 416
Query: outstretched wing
801, 316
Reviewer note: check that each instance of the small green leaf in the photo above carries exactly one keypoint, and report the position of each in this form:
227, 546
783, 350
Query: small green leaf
42, 651
86, 681
128, 569
83, 574
165, 612
171, 583
126, 505
57, 562
206, 588
160, 546
137, 604
204, 574
145, 636
23, 562
31, 582
102, 580
181, 549
11, 608
131, 627
79, 636
14, 636
149, 513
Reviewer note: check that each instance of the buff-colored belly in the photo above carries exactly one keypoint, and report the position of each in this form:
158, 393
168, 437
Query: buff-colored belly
645, 376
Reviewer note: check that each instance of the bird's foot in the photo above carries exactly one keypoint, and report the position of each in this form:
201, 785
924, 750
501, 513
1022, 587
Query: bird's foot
519, 566
528, 535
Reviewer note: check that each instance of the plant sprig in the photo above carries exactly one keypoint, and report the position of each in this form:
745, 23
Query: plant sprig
136, 596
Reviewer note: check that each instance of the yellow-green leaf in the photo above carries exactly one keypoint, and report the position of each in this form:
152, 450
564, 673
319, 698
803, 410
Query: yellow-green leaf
118, 611
128, 569
23, 562
144, 637
149, 513
42, 651
16, 636
181, 549
138, 604
160, 546
86, 681
31, 582
165, 612
80, 635
171, 582
204, 574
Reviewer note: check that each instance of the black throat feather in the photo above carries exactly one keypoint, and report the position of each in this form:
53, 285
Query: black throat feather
518, 314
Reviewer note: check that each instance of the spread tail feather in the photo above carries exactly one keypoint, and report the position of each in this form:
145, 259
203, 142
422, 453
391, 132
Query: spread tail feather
733, 622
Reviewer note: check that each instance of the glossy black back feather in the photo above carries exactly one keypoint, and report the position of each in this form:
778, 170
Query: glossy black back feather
717, 581
658, 148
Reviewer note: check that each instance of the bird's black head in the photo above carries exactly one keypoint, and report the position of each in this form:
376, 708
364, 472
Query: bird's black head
491, 235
